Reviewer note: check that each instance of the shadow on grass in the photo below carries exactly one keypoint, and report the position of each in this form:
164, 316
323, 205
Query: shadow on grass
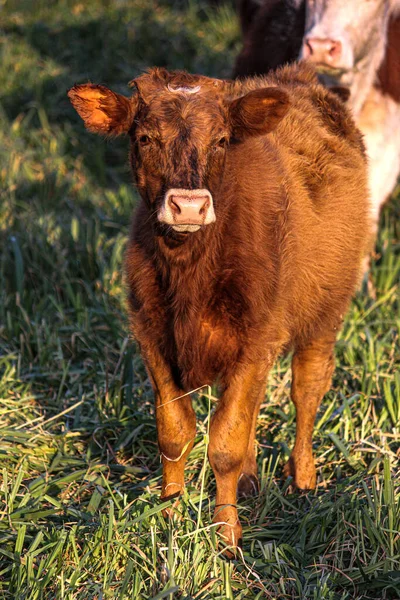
115, 48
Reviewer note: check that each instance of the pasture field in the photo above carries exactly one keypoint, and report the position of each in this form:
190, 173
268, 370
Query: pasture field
80, 515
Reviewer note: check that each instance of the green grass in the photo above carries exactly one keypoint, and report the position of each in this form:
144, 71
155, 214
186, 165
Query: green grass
80, 515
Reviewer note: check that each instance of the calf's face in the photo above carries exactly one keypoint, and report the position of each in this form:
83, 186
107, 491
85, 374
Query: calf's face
180, 128
177, 155
340, 35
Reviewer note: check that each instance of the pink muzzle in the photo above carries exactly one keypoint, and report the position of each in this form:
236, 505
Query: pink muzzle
187, 210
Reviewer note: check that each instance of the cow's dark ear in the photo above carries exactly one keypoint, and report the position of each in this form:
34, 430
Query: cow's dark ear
258, 112
102, 110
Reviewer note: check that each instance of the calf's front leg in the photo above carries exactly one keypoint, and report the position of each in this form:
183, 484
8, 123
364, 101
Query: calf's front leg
176, 424
230, 432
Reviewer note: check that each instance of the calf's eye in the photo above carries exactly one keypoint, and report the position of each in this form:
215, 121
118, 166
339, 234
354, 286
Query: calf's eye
144, 140
221, 143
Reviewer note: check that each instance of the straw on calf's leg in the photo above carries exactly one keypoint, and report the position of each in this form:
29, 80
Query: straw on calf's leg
231, 428
176, 425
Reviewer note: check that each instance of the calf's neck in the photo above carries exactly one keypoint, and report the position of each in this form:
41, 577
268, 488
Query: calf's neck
247, 242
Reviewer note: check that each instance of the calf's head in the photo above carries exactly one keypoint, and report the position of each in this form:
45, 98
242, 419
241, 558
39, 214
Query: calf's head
180, 127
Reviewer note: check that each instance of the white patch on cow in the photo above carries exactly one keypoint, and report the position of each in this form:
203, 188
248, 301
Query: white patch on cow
379, 121
395, 6
181, 89
377, 115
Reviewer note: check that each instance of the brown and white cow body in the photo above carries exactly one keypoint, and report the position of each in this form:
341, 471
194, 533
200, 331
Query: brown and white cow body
247, 242
355, 44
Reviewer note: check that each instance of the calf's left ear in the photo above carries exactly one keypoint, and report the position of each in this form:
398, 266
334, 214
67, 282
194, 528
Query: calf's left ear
102, 110
258, 112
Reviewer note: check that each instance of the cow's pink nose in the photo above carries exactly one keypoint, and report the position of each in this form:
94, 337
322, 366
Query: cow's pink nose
189, 210
322, 50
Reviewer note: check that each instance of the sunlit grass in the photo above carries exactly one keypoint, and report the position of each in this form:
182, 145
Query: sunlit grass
80, 515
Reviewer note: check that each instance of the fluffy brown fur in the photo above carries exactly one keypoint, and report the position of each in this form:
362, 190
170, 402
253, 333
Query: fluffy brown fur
285, 166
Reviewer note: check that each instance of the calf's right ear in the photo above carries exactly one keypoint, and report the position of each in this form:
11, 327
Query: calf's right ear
258, 112
102, 110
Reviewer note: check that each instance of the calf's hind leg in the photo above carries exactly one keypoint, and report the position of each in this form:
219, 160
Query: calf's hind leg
312, 368
248, 484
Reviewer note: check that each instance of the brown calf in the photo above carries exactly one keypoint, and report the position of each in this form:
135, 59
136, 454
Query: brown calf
247, 243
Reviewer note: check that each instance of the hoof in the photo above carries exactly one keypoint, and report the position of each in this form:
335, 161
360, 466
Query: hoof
229, 530
230, 539
304, 474
172, 511
248, 485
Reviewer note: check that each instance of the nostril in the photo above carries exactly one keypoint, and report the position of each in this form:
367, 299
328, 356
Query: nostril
308, 49
174, 205
205, 207
335, 49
